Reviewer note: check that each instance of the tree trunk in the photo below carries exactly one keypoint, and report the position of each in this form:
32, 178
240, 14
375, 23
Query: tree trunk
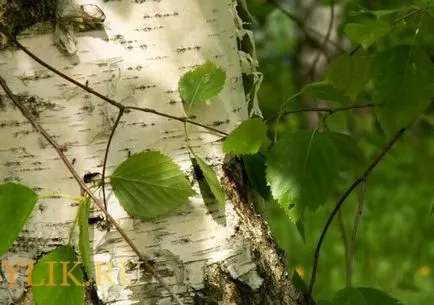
321, 22
207, 255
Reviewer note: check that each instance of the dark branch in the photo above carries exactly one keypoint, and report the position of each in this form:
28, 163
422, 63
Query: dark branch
96, 93
104, 166
306, 29
27, 114
341, 201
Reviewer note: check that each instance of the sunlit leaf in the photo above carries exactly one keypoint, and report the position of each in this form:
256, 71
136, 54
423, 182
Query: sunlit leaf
246, 138
16, 204
149, 184
57, 279
402, 79
298, 164
201, 84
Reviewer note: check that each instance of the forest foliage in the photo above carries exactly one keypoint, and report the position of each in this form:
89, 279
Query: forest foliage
372, 150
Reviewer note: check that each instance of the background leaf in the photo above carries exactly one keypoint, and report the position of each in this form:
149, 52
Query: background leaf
367, 32
16, 205
211, 179
48, 276
149, 184
298, 164
402, 78
363, 296
83, 238
350, 73
246, 138
325, 91
201, 84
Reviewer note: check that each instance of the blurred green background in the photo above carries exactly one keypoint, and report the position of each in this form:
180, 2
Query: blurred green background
395, 241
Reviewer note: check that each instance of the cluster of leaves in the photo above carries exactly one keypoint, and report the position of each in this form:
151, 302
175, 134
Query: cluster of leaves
391, 69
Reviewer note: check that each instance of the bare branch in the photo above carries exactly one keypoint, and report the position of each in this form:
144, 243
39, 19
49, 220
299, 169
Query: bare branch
311, 71
96, 93
330, 111
354, 234
104, 166
305, 29
27, 114
341, 201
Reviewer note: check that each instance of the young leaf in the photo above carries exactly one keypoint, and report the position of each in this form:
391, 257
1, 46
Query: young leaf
402, 79
57, 279
16, 204
246, 138
325, 91
149, 184
211, 179
299, 163
367, 32
350, 73
363, 296
201, 84
83, 240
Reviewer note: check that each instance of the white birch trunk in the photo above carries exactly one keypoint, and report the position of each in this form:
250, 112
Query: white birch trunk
146, 47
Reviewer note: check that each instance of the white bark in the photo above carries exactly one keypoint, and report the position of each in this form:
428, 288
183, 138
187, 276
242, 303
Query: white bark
146, 47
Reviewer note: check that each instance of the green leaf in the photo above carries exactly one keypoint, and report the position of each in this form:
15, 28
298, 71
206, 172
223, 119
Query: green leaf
363, 296
367, 32
299, 163
325, 91
403, 87
149, 184
350, 73
348, 150
57, 279
299, 283
211, 179
255, 169
201, 84
246, 138
16, 205
83, 240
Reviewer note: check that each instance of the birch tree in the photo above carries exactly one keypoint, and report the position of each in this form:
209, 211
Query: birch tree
76, 76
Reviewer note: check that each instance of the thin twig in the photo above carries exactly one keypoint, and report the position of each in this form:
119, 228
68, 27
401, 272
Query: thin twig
340, 202
96, 93
305, 29
343, 235
330, 111
104, 166
354, 234
312, 68
26, 113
